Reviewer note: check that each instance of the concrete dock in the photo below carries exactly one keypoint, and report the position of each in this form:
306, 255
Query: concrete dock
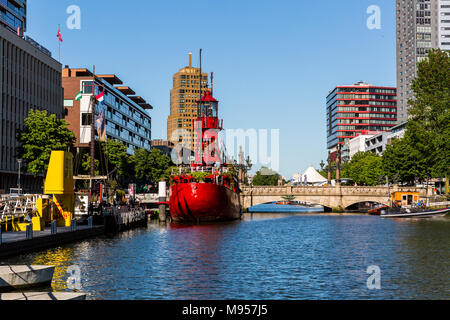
24, 276
42, 296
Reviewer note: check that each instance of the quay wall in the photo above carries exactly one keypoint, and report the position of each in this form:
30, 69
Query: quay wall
48, 241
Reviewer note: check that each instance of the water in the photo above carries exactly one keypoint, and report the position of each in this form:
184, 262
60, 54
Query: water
265, 256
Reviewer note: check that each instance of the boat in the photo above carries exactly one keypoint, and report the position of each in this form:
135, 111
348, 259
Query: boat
207, 190
413, 212
285, 207
376, 211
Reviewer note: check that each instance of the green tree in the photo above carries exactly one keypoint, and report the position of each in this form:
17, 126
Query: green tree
266, 177
402, 162
428, 130
42, 134
86, 164
118, 158
151, 165
364, 168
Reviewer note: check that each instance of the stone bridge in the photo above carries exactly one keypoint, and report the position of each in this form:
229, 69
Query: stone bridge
336, 198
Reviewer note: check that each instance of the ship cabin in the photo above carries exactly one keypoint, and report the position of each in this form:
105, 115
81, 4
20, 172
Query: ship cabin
400, 198
207, 110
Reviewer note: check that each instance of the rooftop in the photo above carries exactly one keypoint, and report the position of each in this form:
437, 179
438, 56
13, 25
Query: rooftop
112, 79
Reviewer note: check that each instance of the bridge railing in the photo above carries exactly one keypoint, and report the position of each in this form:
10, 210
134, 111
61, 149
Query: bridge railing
378, 190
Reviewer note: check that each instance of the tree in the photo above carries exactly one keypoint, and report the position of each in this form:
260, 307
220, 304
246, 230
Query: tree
266, 177
364, 168
118, 158
400, 161
428, 130
151, 165
86, 164
42, 134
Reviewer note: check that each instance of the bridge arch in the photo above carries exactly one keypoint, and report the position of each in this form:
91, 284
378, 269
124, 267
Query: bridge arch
255, 200
356, 205
338, 197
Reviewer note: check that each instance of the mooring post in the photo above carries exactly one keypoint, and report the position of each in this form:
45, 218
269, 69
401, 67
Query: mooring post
53, 227
73, 225
29, 231
90, 222
162, 200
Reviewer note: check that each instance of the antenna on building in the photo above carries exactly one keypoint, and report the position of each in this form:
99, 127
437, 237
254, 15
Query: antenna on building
212, 83
190, 59
200, 82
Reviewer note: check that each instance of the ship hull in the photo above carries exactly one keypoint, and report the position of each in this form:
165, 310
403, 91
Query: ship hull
203, 202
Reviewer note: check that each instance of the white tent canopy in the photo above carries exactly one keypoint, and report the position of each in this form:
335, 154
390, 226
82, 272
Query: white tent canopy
311, 176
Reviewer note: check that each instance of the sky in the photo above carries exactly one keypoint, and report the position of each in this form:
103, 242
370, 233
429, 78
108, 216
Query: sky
274, 62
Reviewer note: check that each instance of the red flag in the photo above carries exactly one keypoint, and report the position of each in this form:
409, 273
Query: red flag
59, 34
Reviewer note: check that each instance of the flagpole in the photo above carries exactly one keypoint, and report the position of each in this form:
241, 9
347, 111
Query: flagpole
59, 45
92, 146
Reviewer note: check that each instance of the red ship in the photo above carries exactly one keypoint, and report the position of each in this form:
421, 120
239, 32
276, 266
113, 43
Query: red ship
206, 190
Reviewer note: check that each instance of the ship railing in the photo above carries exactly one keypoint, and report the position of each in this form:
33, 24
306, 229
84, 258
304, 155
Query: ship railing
207, 169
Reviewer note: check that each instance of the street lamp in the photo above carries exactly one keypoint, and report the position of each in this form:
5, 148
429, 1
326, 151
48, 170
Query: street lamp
19, 161
322, 164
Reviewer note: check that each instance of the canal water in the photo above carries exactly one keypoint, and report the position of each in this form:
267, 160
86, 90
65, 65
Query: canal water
264, 256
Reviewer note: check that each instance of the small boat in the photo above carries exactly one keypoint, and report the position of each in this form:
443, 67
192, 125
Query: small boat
377, 209
413, 213
284, 207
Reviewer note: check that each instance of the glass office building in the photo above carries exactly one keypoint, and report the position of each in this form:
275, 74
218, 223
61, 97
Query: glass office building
13, 14
126, 117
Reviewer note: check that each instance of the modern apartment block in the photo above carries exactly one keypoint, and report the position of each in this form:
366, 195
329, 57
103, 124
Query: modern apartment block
420, 25
359, 109
186, 91
125, 114
376, 142
13, 14
30, 79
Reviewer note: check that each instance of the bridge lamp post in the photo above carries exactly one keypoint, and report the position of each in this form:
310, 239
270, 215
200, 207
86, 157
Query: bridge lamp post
329, 168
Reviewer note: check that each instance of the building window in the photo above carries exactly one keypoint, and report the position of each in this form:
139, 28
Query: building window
86, 119
68, 103
87, 87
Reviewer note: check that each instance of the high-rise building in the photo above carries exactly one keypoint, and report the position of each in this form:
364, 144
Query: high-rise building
13, 14
30, 79
444, 24
125, 114
359, 109
420, 25
186, 91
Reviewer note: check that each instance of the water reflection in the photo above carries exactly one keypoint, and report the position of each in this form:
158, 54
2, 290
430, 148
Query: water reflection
60, 258
264, 256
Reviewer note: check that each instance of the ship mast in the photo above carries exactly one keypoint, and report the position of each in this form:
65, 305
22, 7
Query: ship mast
93, 102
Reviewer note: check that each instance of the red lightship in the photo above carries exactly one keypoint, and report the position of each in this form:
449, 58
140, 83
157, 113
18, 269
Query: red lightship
206, 190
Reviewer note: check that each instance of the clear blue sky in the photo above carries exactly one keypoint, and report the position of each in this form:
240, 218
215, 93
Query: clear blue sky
273, 61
